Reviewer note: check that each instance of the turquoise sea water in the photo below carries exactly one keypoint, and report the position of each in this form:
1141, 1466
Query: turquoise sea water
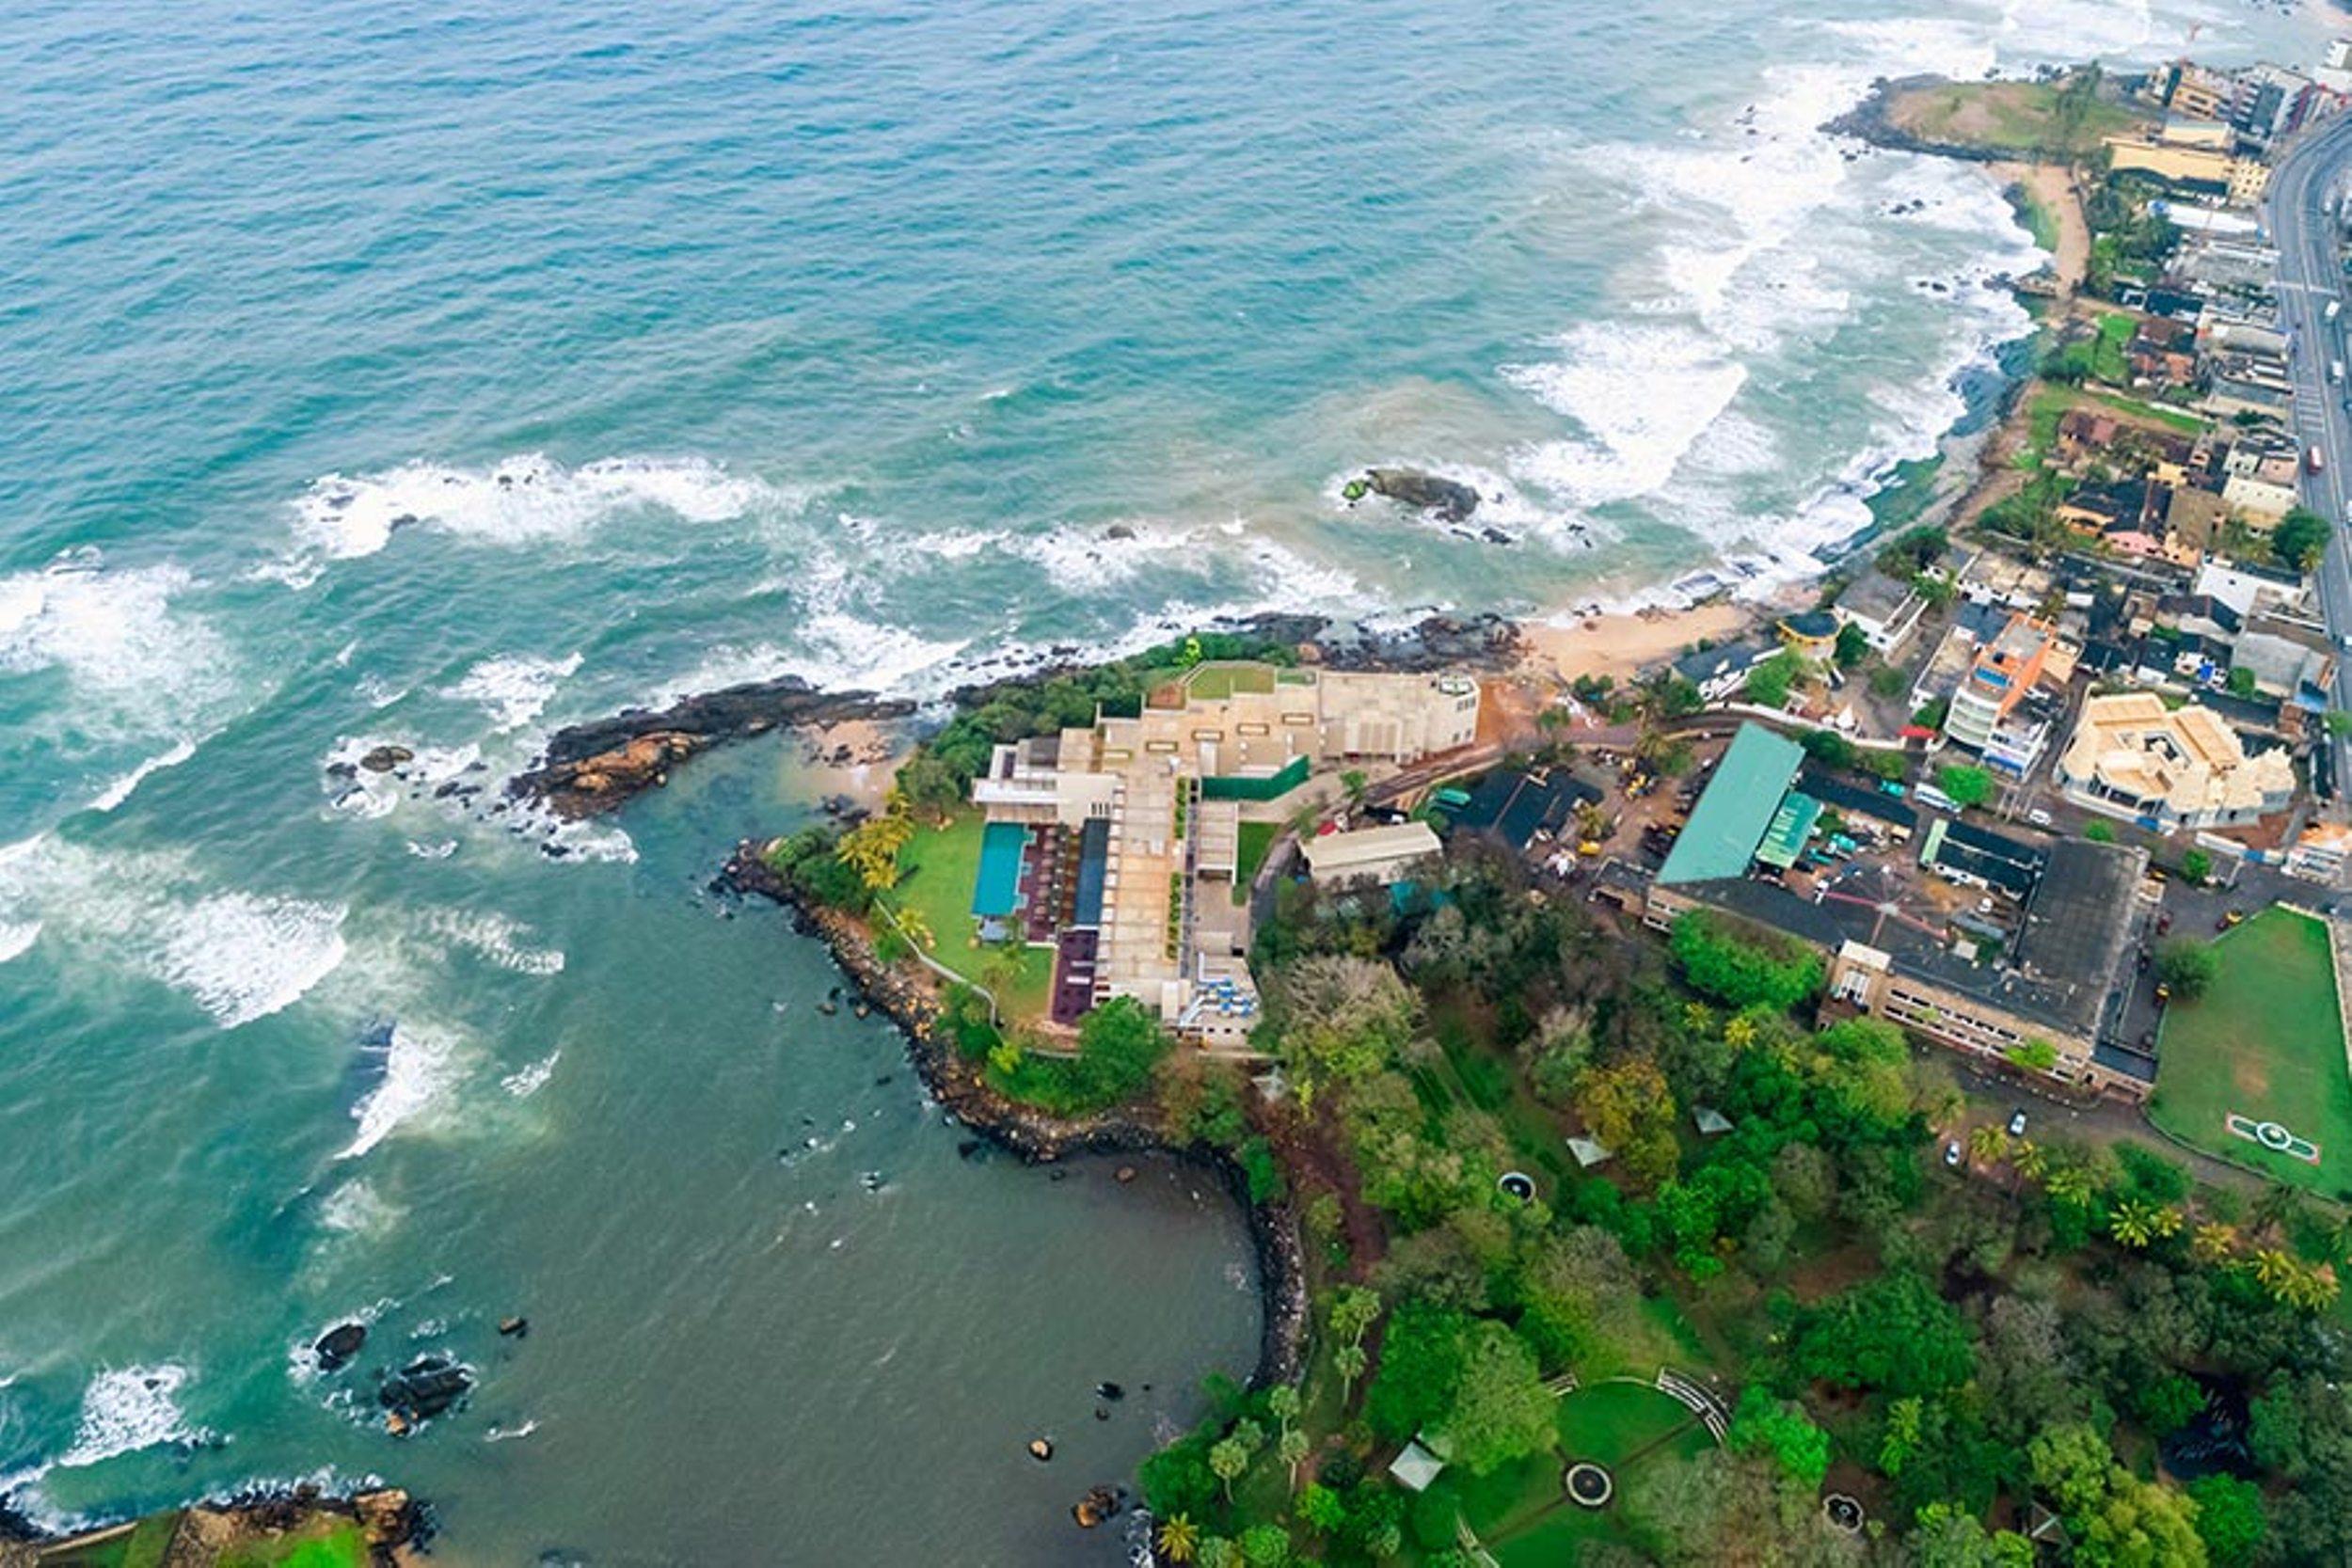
438, 375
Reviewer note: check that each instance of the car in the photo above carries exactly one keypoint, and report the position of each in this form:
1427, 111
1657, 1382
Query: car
1951, 1154
2164, 922
2039, 818
2230, 918
2017, 1122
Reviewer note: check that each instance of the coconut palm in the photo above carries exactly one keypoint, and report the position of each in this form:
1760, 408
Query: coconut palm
1356, 1310
1988, 1144
1740, 1032
1179, 1538
1698, 1018
2133, 1222
1292, 1449
1349, 1362
1227, 1461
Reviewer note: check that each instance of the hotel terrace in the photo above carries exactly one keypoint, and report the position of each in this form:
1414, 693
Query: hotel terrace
1119, 845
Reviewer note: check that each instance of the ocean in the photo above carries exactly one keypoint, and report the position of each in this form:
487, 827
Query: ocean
433, 376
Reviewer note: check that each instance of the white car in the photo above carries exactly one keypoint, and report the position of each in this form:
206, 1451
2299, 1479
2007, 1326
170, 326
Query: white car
1951, 1154
2017, 1123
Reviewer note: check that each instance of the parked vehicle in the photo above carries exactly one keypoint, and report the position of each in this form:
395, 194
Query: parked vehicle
2017, 1122
1951, 1155
2313, 460
2039, 818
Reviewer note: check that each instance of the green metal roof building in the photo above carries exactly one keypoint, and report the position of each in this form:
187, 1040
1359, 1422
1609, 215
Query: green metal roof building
1736, 811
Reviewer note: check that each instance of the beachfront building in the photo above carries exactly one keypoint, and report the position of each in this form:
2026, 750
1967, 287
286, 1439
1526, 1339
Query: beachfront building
1122, 839
1886, 609
2170, 770
2004, 673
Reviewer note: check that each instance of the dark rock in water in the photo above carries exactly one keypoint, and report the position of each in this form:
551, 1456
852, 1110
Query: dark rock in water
596, 766
514, 1328
343, 770
1100, 1503
1118, 531
339, 1344
383, 759
1109, 1391
1447, 499
1040, 1450
969, 1149
425, 1388
1102, 1412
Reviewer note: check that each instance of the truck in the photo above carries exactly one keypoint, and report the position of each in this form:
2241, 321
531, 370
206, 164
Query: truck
2335, 308
2335, 370
2312, 461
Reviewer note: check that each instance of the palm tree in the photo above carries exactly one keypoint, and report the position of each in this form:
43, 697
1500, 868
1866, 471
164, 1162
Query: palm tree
2069, 1184
1227, 1461
1293, 1449
1348, 1361
2274, 1271
1740, 1032
1179, 1538
1356, 1310
1988, 1144
2213, 1242
2169, 1221
2133, 1223
2032, 1163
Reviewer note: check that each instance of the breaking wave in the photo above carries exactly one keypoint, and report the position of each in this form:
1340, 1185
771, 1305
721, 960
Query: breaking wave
126, 1409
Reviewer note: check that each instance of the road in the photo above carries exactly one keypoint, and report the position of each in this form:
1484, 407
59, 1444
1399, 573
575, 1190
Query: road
2312, 177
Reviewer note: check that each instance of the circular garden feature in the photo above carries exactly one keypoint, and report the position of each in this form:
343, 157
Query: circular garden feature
1518, 1184
1843, 1511
1589, 1486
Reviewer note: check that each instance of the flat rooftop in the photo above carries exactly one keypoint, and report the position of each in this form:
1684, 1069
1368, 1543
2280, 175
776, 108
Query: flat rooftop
1737, 810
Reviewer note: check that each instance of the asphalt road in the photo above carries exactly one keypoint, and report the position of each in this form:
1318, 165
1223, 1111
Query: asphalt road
2312, 176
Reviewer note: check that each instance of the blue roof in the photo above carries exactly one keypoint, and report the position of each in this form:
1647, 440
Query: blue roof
1731, 817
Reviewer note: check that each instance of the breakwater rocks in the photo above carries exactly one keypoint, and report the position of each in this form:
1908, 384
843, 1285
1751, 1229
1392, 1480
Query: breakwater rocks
908, 996
590, 768
262, 1526
1447, 499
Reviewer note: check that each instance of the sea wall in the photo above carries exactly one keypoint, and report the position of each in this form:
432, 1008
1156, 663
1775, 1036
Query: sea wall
909, 998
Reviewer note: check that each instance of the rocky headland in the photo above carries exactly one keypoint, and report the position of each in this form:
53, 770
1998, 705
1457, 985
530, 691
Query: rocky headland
587, 770
385, 1527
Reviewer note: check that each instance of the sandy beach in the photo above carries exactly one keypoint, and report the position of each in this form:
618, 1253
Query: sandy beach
1621, 646
2052, 186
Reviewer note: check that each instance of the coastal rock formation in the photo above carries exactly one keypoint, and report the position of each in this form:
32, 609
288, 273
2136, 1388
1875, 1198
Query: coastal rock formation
593, 768
425, 1388
339, 1344
1447, 499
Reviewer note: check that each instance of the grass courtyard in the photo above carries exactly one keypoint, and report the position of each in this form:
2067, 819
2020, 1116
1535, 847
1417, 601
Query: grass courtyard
2265, 1042
1522, 1513
937, 871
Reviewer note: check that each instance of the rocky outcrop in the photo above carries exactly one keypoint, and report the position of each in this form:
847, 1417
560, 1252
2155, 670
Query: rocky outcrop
907, 998
1447, 499
246, 1528
590, 768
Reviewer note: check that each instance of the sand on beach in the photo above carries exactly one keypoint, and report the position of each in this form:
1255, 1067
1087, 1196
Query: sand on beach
856, 758
2052, 186
1621, 646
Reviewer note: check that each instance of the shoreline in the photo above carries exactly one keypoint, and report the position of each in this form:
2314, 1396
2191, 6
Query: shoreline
396, 1527
1034, 1136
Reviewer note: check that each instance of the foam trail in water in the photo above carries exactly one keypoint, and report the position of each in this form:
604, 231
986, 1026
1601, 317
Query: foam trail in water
126, 1409
420, 1065
124, 788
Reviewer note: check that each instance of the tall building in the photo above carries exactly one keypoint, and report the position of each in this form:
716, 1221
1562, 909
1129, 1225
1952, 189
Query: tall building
2006, 669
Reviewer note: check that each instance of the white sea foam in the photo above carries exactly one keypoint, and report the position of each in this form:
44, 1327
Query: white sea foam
1642, 393
126, 1409
116, 635
494, 937
513, 691
531, 1077
123, 787
421, 1065
17, 938
239, 954
523, 500
358, 1209
243, 956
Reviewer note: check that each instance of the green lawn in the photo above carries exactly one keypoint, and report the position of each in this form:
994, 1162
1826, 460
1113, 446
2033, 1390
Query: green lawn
935, 881
327, 1541
2265, 1042
2005, 116
2106, 359
1257, 840
1623, 1426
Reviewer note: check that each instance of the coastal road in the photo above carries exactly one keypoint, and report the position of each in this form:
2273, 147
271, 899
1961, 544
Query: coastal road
2312, 178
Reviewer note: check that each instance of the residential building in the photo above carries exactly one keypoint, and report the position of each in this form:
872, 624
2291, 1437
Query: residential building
1886, 609
1811, 635
2003, 672
2170, 770
2322, 854
1719, 671
2257, 503
2246, 587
